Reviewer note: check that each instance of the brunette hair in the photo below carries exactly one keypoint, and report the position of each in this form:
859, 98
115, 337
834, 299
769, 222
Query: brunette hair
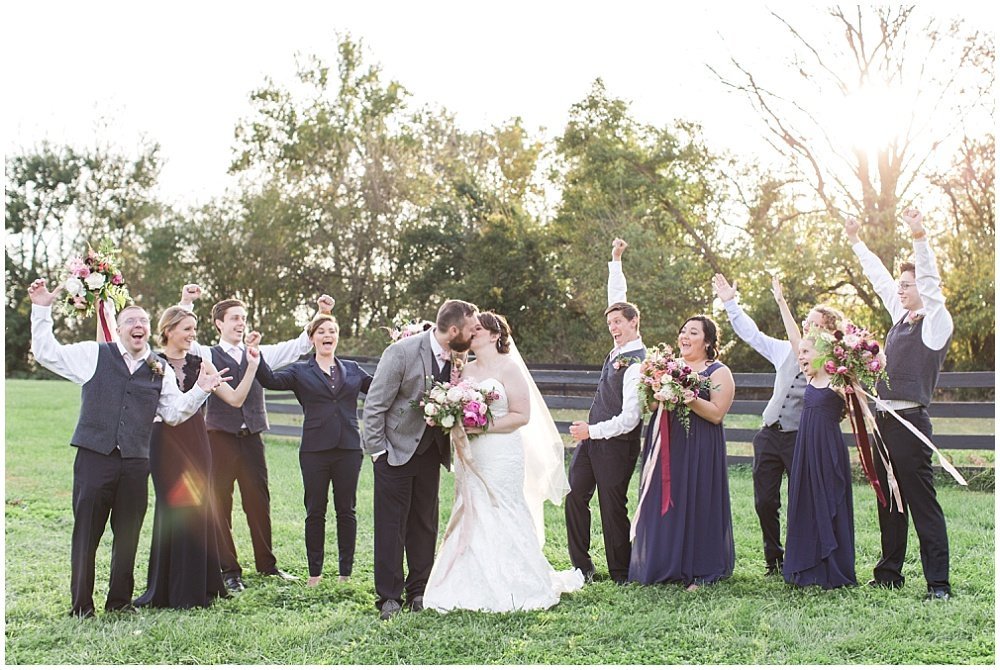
170, 319
454, 313
319, 320
220, 308
628, 310
831, 317
496, 324
907, 266
711, 330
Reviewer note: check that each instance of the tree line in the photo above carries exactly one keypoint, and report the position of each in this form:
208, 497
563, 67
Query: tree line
347, 187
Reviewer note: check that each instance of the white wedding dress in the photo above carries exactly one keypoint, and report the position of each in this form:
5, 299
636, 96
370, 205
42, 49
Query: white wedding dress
490, 559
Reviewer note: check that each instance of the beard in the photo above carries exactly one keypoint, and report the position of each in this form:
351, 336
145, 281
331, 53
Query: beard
458, 345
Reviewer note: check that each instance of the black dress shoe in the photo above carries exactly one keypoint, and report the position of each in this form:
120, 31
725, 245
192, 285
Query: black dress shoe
875, 583
389, 609
588, 574
417, 604
277, 572
773, 570
124, 609
937, 594
83, 614
234, 584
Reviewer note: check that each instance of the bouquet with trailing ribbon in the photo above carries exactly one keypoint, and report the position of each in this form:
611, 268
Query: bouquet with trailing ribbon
401, 329
95, 284
668, 381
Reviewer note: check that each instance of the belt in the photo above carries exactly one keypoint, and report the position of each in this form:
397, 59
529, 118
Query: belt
775, 426
909, 410
244, 432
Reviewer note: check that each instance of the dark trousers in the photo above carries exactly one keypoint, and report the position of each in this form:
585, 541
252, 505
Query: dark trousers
237, 459
103, 486
607, 466
772, 458
406, 518
339, 468
911, 463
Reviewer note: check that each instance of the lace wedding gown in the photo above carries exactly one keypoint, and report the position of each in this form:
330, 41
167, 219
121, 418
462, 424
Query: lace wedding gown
490, 559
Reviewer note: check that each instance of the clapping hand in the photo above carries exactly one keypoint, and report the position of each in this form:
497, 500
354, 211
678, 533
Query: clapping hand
722, 288
618, 247
40, 295
209, 381
325, 304
851, 228
914, 219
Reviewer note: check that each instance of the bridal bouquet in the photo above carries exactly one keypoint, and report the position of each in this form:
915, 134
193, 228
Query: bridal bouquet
401, 329
93, 280
447, 405
668, 380
850, 356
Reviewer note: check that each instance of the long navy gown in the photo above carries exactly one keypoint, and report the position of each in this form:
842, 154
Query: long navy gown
184, 567
693, 542
819, 548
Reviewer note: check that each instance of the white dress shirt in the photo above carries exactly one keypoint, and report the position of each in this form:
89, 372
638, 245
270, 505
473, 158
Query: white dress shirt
774, 350
631, 413
277, 355
78, 363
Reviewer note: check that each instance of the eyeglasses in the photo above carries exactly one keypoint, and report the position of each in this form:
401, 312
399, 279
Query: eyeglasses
132, 320
905, 285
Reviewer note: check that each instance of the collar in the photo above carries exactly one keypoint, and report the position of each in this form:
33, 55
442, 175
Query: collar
124, 352
912, 316
436, 347
230, 348
633, 345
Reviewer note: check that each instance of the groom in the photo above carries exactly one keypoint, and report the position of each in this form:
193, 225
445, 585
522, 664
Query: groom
407, 452
609, 442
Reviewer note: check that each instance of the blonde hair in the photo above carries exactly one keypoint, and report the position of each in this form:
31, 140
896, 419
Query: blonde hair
170, 319
830, 317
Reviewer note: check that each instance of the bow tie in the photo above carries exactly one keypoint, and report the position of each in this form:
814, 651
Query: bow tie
444, 357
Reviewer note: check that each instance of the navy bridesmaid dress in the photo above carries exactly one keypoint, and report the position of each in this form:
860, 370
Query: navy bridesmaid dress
693, 542
819, 547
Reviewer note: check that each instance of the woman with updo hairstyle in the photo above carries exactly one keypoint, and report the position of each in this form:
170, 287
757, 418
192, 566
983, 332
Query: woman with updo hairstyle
184, 568
690, 542
497, 325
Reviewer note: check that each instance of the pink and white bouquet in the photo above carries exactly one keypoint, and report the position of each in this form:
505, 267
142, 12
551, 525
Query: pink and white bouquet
447, 405
401, 329
666, 379
94, 278
850, 356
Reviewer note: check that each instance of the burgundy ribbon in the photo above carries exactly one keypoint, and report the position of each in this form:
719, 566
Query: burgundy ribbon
102, 323
864, 447
665, 499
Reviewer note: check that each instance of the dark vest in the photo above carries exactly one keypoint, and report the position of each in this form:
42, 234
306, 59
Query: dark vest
608, 399
221, 416
117, 408
913, 368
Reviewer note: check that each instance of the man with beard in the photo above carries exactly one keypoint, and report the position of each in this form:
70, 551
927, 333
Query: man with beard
407, 452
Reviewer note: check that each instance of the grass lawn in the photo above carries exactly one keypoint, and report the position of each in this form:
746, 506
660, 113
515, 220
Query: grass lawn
747, 619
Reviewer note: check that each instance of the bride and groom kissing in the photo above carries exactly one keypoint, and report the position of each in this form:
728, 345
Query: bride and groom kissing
490, 557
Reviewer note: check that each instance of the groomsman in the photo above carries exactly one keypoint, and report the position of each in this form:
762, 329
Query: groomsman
234, 436
915, 349
124, 388
610, 440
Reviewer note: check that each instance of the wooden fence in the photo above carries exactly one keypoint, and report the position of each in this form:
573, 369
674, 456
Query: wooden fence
573, 387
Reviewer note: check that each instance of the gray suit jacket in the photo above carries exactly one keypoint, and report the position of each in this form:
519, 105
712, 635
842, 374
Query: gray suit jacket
401, 376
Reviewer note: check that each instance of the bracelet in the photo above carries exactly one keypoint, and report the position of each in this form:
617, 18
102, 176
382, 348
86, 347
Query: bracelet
919, 235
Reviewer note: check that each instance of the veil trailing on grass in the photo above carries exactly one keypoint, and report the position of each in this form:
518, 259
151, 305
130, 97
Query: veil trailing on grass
544, 454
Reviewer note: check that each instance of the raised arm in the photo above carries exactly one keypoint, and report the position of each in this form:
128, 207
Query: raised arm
791, 328
881, 279
617, 286
773, 349
284, 353
938, 324
76, 362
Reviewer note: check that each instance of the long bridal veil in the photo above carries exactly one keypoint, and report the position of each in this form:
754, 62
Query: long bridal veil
544, 454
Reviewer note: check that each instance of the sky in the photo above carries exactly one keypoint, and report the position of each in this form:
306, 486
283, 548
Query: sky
180, 73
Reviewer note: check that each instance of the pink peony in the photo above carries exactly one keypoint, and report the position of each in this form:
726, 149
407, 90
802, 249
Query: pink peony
475, 408
470, 420
841, 370
118, 280
875, 365
830, 367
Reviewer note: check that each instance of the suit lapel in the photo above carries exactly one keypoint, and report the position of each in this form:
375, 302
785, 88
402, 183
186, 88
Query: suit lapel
426, 353
324, 378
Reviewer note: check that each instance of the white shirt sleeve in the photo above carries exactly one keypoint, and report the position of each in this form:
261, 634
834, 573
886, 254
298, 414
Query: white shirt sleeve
938, 325
76, 362
631, 412
774, 350
175, 407
881, 280
617, 286
287, 352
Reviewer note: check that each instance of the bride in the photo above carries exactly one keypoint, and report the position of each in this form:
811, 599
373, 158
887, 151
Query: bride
491, 556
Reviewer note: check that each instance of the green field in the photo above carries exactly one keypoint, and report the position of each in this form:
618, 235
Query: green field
747, 619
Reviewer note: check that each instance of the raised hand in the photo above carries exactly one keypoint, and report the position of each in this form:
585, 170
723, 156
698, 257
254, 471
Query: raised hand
914, 219
40, 295
325, 304
722, 288
776, 289
209, 381
190, 293
253, 342
851, 228
618, 247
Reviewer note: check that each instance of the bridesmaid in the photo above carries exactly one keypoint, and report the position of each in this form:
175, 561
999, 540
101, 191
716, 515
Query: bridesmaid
819, 546
692, 543
184, 566
330, 454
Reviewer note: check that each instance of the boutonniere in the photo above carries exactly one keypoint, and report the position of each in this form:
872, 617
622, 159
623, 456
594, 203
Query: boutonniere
623, 361
155, 365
